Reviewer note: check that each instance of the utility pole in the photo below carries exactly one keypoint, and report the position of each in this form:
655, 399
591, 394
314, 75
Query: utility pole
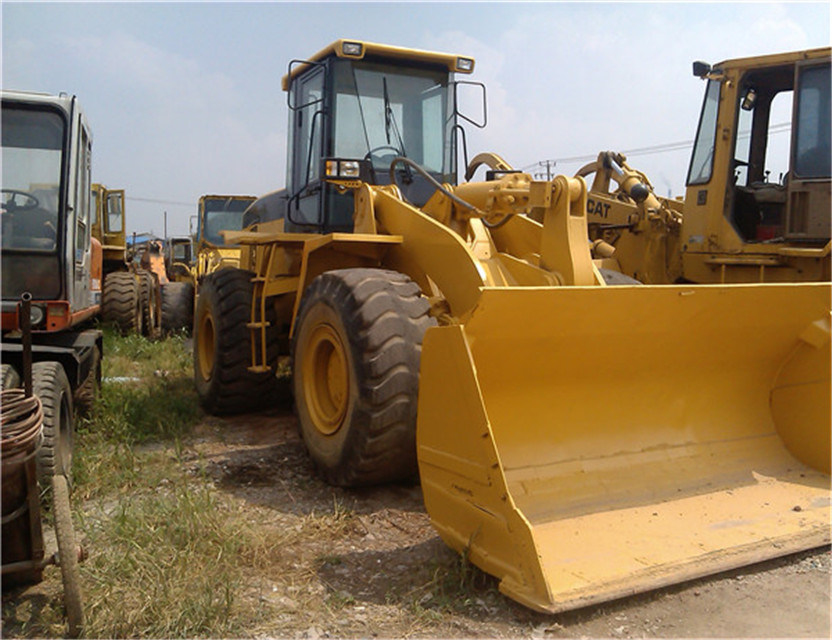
549, 164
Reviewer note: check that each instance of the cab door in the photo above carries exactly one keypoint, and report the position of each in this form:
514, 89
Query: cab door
306, 102
809, 185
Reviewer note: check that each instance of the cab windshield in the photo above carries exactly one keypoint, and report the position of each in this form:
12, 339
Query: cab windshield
31, 161
222, 214
382, 111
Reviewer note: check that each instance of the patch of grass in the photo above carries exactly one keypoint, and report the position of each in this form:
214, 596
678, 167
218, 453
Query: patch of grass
167, 552
147, 396
170, 563
454, 588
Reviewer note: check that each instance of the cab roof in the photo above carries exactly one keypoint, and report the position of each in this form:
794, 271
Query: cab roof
358, 49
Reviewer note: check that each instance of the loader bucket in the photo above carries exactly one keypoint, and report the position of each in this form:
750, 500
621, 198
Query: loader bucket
583, 444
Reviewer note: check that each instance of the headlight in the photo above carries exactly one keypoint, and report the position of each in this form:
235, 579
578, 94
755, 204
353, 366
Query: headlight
465, 65
353, 49
36, 314
342, 169
348, 169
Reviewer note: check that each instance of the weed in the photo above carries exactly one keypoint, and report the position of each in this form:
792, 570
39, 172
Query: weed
166, 563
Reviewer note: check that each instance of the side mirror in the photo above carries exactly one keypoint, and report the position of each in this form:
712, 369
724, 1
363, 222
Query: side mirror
299, 69
469, 98
701, 69
749, 99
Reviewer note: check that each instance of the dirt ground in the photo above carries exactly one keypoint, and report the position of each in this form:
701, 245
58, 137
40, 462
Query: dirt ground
383, 572
388, 550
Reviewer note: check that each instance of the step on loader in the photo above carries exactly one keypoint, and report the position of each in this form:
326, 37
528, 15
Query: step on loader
580, 441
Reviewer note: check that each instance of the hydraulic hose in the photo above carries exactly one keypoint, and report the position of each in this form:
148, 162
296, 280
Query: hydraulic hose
21, 423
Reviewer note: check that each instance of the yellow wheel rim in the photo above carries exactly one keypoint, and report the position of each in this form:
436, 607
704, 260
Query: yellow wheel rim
205, 346
326, 379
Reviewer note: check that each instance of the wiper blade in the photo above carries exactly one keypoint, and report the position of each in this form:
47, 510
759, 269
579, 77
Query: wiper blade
388, 110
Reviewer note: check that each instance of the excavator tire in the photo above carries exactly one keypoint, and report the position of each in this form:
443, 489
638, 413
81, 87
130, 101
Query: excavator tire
150, 322
222, 346
50, 384
87, 392
121, 302
355, 365
177, 307
9, 377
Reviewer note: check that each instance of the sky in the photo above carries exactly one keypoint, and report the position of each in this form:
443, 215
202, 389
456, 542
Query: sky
184, 99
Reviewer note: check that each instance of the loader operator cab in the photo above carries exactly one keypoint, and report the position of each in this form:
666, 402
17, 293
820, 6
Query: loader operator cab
108, 218
219, 213
353, 108
779, 180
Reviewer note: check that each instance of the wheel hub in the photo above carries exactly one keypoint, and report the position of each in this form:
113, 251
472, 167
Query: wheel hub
205, 346
326, 379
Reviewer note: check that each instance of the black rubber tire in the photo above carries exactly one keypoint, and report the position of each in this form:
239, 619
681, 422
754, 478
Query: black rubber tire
222, 346
68, 556
177, 307
9, 377
121, 302
87, 391
149, 291
50, 384
379, 317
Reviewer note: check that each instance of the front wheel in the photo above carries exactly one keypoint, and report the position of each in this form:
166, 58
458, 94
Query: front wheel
355, 364
222, 346
121, 302
50, 384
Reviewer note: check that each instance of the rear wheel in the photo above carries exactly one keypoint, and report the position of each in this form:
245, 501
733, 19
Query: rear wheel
222, 346
50, 384
355, 364
177, 306
121, 302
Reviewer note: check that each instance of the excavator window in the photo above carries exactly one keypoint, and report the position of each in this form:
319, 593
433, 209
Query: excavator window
32, 168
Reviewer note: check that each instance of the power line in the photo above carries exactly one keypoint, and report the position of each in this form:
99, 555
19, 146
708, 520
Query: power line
656, 148
155, 201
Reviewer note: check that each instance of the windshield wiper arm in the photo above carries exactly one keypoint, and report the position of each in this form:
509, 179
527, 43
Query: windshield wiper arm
390, 123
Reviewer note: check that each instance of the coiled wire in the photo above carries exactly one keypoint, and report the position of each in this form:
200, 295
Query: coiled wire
21, 423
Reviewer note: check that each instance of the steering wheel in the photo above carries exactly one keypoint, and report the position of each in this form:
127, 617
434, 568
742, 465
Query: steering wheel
385, 147
11, 203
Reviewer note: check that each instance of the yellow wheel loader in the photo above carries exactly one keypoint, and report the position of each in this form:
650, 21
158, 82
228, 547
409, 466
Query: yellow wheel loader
757, 206
131, 293
579, 441
216, 213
